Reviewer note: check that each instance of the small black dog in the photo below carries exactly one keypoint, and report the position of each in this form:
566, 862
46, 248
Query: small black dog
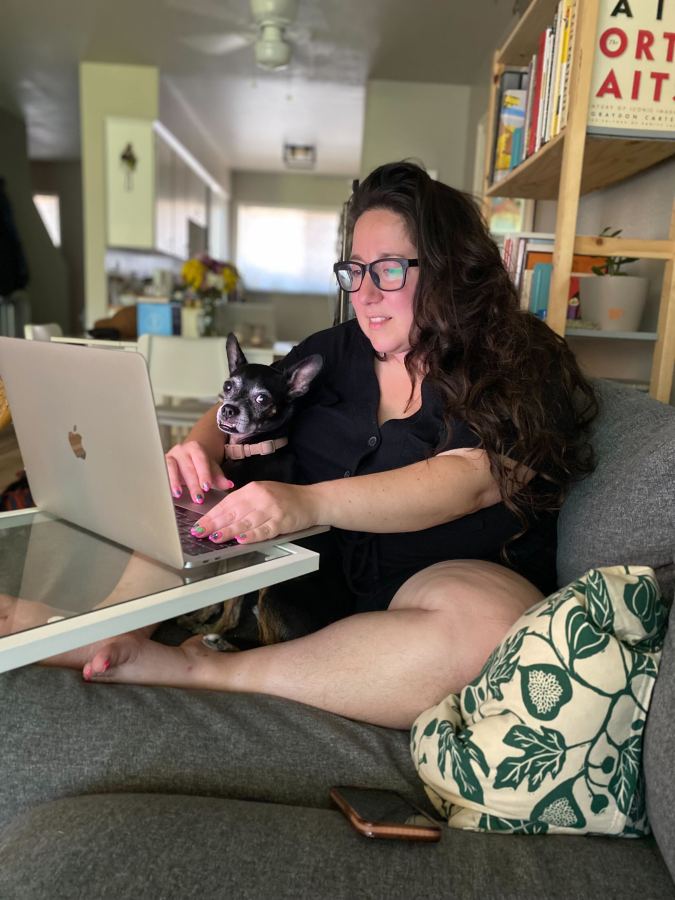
257, 405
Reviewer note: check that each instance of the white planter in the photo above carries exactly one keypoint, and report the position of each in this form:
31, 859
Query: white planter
613, 302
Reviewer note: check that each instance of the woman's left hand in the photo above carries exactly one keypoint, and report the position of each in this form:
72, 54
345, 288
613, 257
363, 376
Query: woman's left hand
259, 511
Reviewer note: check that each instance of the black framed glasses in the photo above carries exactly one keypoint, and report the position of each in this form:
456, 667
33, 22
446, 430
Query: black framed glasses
388, 274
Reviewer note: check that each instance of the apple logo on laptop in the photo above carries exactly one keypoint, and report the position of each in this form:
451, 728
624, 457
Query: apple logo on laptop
75, 440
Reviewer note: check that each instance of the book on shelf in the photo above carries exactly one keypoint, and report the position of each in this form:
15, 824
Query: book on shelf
536, 99
540, 288
552, 37
531, 71
562, 33
536, 286
511, 122
517, 243
633, 78
511, 79
569, 27
580, 264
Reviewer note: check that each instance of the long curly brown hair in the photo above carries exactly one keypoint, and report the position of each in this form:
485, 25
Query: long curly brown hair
501, 370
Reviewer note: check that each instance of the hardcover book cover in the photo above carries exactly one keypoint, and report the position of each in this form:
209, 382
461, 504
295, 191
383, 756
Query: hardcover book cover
633, 83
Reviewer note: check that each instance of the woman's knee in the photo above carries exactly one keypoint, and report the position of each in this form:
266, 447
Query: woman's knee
468, 588
471, 606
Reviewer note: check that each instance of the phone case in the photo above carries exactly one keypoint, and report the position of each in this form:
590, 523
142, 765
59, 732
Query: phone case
428, 832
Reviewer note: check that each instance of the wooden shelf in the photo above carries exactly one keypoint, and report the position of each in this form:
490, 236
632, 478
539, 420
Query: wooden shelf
613, 335
575, 162
606, 162
642, 386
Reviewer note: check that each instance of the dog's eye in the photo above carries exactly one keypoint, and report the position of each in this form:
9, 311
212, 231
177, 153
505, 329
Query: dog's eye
227, 387
261, 398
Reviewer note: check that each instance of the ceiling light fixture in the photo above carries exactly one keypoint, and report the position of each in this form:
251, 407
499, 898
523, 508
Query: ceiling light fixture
299, 156
271, 50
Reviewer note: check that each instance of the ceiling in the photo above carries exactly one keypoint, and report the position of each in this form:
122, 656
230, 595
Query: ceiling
243, 113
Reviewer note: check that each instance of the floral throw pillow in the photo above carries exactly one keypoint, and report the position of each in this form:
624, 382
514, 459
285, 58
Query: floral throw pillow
548, 738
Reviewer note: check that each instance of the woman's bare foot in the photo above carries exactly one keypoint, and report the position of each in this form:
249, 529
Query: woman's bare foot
134, 658
77, 658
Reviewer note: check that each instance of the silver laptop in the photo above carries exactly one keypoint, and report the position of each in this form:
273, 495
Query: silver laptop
86, 426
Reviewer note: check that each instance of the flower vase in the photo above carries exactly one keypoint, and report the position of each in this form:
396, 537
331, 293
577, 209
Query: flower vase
208, 316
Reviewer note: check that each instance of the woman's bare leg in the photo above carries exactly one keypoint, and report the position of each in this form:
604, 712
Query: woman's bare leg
379, 667
141, 576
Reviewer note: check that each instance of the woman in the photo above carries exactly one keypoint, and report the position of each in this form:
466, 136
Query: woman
463, 421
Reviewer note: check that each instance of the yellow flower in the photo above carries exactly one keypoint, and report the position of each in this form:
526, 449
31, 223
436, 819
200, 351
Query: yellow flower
230, 278
193, 272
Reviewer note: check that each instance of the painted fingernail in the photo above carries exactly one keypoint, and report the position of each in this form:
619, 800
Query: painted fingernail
197, 530
106, 665
177, 492
215, 536
230, 484
86, 672
199, 498
206, 486
240, 538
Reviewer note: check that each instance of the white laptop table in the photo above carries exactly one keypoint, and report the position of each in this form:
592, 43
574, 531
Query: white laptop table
62, 587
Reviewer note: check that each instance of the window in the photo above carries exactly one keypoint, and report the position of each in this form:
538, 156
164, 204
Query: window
287, 250
50, 213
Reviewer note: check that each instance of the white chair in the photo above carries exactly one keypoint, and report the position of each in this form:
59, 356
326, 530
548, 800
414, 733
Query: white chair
186, 374
43, 332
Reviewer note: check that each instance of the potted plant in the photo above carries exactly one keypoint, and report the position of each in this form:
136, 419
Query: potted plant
616, 300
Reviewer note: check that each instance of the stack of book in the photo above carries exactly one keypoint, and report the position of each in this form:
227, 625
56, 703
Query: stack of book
533, 101
528, 258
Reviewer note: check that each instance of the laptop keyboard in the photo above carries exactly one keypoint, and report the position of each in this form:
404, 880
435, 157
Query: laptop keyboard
194, 546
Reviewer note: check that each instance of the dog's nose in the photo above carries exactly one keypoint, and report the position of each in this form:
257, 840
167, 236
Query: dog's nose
229, 412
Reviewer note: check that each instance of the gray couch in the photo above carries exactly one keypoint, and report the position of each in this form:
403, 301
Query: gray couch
112, 791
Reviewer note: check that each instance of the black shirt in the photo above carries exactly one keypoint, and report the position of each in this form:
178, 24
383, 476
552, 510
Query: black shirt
335, 434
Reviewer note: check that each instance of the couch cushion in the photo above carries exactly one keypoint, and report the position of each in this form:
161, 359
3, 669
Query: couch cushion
624, 512
659, 752
156, 845
548, 738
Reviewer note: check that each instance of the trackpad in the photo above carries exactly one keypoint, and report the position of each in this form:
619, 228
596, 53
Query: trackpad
211, 498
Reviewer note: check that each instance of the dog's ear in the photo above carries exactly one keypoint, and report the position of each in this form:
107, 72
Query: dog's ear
301, 375
235, 357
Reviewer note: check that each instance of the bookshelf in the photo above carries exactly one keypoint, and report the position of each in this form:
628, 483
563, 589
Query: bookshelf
574, 163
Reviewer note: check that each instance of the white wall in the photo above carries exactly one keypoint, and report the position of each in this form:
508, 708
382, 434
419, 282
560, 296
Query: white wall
425, 122
106, 90
176, 115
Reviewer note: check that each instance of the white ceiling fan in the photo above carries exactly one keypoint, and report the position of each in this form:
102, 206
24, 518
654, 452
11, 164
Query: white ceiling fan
271, 32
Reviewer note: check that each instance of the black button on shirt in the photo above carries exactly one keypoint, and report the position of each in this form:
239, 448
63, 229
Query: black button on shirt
332, 436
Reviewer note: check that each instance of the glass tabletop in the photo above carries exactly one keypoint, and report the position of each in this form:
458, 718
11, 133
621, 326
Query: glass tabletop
52, 570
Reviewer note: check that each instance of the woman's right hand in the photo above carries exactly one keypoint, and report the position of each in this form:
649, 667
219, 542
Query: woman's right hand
189, 464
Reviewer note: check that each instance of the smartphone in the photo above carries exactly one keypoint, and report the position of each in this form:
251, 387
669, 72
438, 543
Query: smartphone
377, 813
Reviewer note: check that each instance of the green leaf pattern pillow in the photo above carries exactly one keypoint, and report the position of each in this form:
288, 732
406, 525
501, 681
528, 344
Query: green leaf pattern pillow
548, 738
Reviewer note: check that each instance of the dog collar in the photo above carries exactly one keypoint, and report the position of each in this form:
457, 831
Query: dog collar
264, 448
